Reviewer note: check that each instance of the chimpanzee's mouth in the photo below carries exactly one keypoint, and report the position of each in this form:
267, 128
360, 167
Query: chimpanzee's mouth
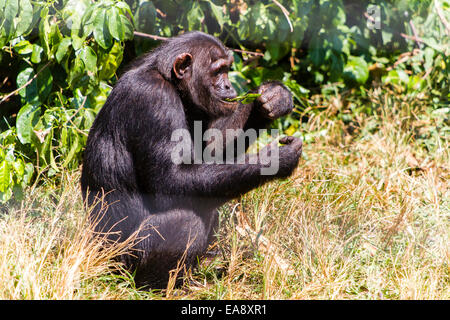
228, 101
229, 104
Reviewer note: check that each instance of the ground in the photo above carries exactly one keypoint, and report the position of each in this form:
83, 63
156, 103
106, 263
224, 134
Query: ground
364, 216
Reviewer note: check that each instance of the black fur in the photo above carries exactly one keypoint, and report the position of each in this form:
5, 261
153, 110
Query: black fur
127, 157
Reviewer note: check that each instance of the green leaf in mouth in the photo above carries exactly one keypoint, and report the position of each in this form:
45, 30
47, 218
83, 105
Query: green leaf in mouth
245, 98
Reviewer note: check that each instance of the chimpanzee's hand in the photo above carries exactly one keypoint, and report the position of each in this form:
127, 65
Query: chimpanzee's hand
290, 154
275, 100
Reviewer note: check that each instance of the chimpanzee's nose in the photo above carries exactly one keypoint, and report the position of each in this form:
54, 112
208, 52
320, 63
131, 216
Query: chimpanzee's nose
230, 91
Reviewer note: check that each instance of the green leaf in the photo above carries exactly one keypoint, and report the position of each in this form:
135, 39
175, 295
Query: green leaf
73, 148
316, 51
25, 17
127, 27
77, 42
429, 58
36, 54
55, 36
28, 174
297, 90
27, 118
101, 30
89, 59
337, 66
109, 62
86, 22
76, 72
30, 92
115, 24
10, 157
5, 196
195, 16
44, 34
245, 98
238, 80
416, 83
19, 167
2, 6
397, 77
386, 36
9, 13
5, 176
46, 151
217, 12
146, 16
23, 47
44, 84
356, 70
125, 8
63, 48
83, 70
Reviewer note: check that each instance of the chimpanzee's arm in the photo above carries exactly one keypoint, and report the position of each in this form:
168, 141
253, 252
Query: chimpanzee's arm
232, 180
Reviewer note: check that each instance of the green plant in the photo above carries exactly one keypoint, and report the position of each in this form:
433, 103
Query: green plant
64, 59
59, 61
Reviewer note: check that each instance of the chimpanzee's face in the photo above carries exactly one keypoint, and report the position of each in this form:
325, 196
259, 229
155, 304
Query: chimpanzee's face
220, 85
205, 79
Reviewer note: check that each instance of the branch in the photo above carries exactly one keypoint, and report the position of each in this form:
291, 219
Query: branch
159, 38
285, 12
413, 28
417, 39
441, 16
151, 36
26, 84
259, 54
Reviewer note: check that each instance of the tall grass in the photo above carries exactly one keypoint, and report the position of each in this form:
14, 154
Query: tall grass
365, 216
48, 250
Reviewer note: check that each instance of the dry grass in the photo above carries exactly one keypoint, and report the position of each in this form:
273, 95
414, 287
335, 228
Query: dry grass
365, 216
48, 250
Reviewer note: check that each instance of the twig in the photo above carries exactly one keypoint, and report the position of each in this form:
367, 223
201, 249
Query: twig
259, 54
427, 73
441, 16
404, 57
151, 36
430, 44
415, 38
285, 12
413, 28
4, 81
26, 84
162, 14
159, 38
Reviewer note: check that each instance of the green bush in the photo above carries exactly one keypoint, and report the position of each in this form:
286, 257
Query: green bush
59, 60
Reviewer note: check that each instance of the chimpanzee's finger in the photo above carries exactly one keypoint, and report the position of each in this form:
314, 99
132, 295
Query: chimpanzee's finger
286, 140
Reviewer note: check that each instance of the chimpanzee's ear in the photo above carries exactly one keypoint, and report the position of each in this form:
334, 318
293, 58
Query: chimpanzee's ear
182, 65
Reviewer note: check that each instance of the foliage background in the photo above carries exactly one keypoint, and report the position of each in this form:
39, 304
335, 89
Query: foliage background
59, 60
366, 214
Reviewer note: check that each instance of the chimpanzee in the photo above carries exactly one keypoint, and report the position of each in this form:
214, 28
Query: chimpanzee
128, 161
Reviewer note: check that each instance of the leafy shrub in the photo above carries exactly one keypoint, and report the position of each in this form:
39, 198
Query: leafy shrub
59, 60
